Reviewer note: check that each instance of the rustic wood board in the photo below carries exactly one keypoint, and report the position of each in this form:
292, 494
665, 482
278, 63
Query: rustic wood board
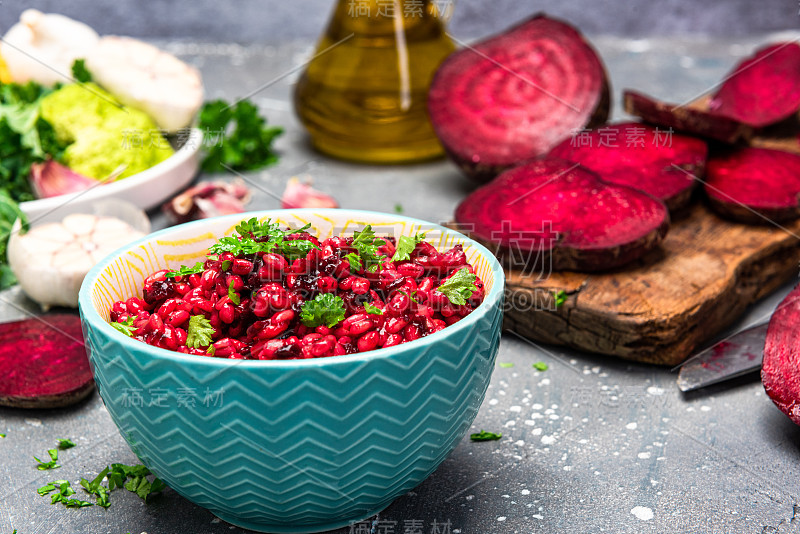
660, 309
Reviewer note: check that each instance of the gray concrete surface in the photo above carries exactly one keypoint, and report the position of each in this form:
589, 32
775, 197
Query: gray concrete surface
273, 21
593, 444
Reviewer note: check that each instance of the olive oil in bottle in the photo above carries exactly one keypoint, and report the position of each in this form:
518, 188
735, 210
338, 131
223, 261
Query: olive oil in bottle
363, 96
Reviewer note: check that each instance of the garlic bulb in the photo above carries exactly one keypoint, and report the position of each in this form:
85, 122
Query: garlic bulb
146, 78
42, 47
51, 260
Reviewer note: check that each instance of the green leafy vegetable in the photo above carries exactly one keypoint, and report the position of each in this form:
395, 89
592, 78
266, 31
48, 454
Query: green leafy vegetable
366, 245
9, 213
126, 326
134, 478
326, 309
232, 294
485, 436
80, 72
297, 248
52, 464
185, 270
65, 444
406, 245
243, 141
95, 488
64, 491
560, 297
459, 287
253, 237
540, 366
506, 365
374, 310
199, 333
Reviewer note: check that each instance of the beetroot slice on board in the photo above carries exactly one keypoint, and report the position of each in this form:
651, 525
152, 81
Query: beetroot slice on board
762, 89
652, 160
43, 362
693, 118
514, 96
754, 185
780, 369
556, 212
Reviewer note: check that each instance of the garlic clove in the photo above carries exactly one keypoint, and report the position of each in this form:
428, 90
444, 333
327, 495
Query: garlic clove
208, 199
51, 260
146, 78
301, 195
41, 47
51, 179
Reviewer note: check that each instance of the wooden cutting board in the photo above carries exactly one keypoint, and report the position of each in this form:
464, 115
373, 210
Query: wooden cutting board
660, 309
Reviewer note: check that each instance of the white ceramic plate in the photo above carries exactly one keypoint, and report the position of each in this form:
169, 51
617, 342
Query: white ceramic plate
145, 190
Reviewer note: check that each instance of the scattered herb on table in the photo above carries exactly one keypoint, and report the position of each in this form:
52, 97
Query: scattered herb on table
398, 208
540, 366
63, 493
52, 464
246, 141
2, 435
485, 436
506, 365
560, 297
65, 444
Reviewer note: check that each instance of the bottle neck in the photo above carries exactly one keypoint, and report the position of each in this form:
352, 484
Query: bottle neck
380, 17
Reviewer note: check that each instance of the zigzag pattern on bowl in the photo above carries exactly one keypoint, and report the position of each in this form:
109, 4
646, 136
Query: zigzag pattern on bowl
292, 447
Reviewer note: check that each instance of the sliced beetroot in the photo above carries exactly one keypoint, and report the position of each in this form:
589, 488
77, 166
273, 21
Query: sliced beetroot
43, 362
652, 160
762, 89
514, 96
780, 369
754, 185
556, 212
693, 118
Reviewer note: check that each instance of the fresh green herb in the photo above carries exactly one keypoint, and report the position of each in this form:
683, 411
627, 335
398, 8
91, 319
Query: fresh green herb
406, 245
232, 294
485, 436
185, 270
540, 366
366, 245
134, 478
398, 208
64, 491
409, 295
560, 297
459, 287
326, 309
95, 488
242, 139
80, 72
65, 444
126, 326
2, 435
199, 333
374, 310
52, 464
253, 237
9, 213
506, 365
25, 137
211, 350
226, 265
354, 260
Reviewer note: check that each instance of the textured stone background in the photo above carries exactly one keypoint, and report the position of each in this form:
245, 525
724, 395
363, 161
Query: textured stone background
249, 21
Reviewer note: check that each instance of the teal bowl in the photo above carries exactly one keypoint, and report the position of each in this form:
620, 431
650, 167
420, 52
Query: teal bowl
294, 445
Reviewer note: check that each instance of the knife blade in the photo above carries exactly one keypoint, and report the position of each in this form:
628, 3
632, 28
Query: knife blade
734, 356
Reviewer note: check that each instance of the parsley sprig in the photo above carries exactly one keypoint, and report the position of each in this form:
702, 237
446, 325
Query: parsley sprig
406, 245
185, 270
366, 256
126, 326
200, 332
459, 287
253, 237
325, 309
52, 464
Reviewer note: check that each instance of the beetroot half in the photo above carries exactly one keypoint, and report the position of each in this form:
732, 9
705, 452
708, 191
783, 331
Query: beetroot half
555, 212
780, 369
43, 362
514, 96
693, 118
754, 185
655, 161
763, 89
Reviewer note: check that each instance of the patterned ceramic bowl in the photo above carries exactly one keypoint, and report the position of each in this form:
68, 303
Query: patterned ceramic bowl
293, 445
